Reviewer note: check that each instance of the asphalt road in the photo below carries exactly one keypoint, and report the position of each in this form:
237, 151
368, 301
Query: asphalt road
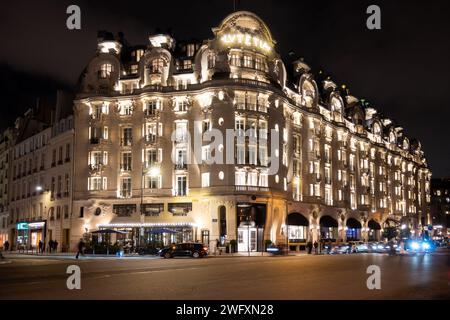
293, 277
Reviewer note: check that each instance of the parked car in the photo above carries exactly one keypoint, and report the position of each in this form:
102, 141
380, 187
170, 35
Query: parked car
147, 250
187, 249
361, 246
341, 249
377, 247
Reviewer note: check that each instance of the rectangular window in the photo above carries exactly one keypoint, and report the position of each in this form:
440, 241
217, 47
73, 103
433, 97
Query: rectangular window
205, 179
248, 61
239, 177
126, 161
153, 182
127, 136
252, 154
181, 186
263, 179
240, 153
125, 187
95, 183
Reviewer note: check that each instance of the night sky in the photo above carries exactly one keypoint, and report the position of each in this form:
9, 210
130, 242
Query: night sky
402, 69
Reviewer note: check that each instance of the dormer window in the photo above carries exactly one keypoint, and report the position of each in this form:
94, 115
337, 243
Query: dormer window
376, 129
157, 65
211, 60
190, 50
105, 71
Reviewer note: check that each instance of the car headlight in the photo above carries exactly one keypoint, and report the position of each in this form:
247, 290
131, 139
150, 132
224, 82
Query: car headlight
415, 245
425, 245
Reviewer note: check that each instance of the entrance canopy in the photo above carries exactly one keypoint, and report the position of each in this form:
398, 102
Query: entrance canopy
374, 225
297, 219
108, 231
162, 230
328, 222
353, 223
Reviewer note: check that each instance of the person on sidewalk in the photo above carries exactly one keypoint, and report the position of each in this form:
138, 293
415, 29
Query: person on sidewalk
41, 246
55, 246
6, 245
50, 245
316, 246
217, 247
309, 247
80, 249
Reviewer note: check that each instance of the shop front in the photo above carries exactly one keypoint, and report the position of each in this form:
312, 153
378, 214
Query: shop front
374, 230
298, 231
328, 229
251, 218
28, 234
353, 230
137, 235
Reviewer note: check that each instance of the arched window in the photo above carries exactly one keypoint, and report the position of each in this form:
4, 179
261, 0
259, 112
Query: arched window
376, 129
308, 93
336, 104
392, 138
405, 144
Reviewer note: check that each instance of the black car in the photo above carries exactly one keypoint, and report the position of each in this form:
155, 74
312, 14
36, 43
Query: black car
195, 250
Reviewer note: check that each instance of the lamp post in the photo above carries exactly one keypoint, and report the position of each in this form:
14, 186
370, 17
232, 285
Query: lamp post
154, 171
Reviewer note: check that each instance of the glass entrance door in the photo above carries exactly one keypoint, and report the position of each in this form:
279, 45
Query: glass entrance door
247, 239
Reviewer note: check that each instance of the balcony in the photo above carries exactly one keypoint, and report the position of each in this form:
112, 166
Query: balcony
151, 113
94, 140
150, 138
125, 194
126, 142
181, 138
180, 166
251, 189
125, 167
96, 167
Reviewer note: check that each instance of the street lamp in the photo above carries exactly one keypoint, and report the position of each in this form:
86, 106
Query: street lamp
153, 171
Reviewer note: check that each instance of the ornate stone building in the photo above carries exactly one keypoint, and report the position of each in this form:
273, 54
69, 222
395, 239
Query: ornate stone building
306, 158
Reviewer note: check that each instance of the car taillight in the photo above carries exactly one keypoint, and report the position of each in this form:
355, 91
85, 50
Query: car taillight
205, 248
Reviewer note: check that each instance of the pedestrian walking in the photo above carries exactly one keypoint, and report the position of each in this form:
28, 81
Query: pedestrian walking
50, 245
40, 246
55, 246
6, 245
316, 247
217, 246
309, 246
80, 249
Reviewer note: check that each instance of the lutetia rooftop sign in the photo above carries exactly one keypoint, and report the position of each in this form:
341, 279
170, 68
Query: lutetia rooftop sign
245, 39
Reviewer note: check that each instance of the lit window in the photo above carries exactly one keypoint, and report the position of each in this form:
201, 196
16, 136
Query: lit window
205, 180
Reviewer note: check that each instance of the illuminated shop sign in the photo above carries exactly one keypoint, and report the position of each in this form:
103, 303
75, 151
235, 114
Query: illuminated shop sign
246, 39
22, 226
36, 225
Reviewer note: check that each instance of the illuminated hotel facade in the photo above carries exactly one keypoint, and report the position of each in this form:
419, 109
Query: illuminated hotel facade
343, 172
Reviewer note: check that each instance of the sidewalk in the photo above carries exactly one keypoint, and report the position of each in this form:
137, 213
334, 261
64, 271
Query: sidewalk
71, 255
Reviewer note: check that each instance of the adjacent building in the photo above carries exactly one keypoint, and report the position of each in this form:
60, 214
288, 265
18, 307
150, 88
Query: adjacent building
6, 141
40, 177
440, 207
221, 140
